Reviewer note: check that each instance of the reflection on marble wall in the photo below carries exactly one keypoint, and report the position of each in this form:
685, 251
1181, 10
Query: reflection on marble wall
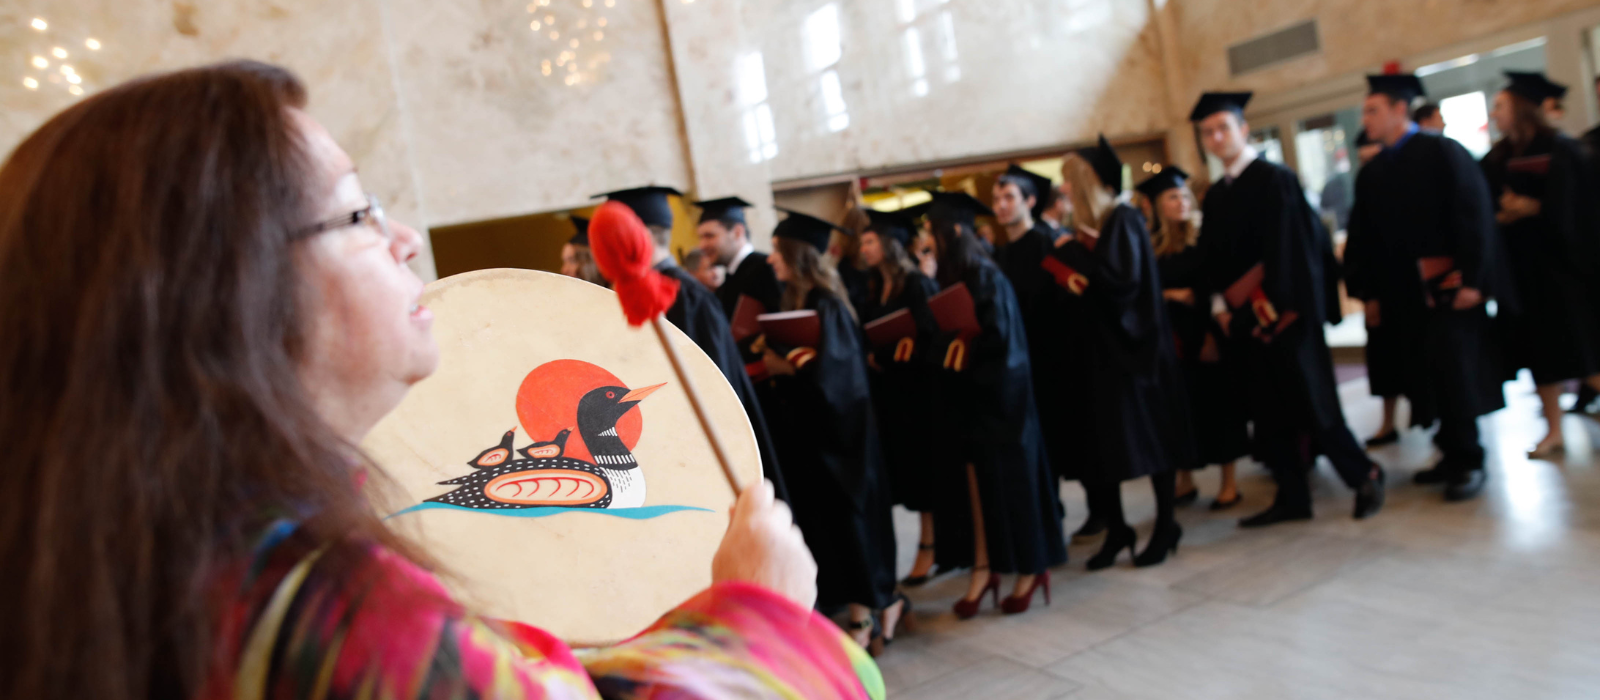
865, 84
334, 46
498, 132
1357, 35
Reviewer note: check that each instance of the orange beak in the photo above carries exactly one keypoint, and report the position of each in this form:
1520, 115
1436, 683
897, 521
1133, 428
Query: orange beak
639, 394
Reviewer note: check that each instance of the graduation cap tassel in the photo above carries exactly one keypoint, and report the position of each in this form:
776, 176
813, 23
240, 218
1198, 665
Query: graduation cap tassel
623, 250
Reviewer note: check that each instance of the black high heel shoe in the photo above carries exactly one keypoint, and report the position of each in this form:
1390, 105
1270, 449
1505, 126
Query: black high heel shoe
884, 635
1118, 538
1162, 541
915, 581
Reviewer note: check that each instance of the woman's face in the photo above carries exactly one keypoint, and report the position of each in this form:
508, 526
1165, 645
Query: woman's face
1173, 205
569, 260
1501, 112
368, 339
871, 249
780, 267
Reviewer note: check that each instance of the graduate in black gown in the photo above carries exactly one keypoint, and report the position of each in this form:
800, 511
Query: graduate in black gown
1140, 412
997, 511
1057, 358
698, 314
905, 380
1265, 243
1544, 196
577, 260
1217, 412
852, 274
1423, 254
725, 236
827, 433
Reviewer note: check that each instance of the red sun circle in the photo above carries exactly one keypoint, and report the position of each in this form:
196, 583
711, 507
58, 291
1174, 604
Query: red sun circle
547, 403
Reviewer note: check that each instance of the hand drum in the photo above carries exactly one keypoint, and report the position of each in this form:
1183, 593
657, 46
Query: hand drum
553, 464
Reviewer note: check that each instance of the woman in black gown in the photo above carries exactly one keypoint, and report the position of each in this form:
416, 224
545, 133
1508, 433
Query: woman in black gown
1141, 409
823, 423
1220, 424
904, 377
997, 511
1544, 198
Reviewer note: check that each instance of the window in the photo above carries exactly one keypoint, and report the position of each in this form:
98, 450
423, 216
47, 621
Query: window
760, 138
823, 50
928, 21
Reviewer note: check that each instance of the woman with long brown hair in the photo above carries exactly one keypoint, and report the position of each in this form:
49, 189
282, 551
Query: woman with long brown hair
1141, 417
904, 376
1543, 196
826, 433
997, 510
202, 313
1221, 427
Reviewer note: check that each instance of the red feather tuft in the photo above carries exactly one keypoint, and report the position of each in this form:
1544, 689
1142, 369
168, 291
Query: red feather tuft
623, 249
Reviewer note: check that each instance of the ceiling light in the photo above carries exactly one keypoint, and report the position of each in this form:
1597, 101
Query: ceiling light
40, 25
93, 44
30, 83
74, 89
41, 62
58, 52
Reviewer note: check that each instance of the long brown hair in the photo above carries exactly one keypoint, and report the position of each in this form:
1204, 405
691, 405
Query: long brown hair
152, 317
1173, 237
894, 267
1092, 200
807, 272
1528, 121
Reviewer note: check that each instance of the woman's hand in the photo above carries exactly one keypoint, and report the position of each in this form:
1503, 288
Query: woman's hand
1514, 207
763, 546
776, 365
1183, 296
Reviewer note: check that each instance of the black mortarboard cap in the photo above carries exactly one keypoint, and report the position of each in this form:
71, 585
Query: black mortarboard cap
1103, 158
958, 207
805, 228
724, 208
1040, 183
1534, 87
582, 236
650, 203
1170, 177
896, 224
1404, 87
1213, 102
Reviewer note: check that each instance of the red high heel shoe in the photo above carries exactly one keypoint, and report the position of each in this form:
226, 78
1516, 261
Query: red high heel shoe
1014, 604
965, 609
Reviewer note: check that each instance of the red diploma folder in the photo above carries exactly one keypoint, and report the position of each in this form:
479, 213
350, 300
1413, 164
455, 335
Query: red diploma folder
791, 329
745, 314
1247, 290
955, 312
891, 328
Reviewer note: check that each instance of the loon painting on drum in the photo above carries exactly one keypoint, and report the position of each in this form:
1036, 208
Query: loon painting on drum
547, 475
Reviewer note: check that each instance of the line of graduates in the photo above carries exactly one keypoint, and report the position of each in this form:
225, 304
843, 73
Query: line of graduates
1131, 345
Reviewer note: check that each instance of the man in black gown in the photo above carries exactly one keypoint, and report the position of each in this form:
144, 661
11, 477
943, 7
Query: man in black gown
725, 236
1266, 252
698, 314
1056, 360
1422, 208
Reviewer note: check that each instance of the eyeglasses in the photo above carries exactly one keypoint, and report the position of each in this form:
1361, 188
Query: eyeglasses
373, 213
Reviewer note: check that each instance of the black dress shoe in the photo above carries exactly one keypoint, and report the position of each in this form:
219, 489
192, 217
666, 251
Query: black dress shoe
1219, 504
1427, 477
1369, 498
1162, 542
1116, 540
1186, 499
1092, 528
1466, 485
1274, 515
1389, 438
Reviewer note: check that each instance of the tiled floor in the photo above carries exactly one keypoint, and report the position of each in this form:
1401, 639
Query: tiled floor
1495, 598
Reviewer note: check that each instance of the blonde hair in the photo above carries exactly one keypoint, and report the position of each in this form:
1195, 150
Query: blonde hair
1173, 237
1092, 200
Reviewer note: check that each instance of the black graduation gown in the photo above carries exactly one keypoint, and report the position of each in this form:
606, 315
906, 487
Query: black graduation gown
827, 435
1056, 357
1263, 217
697, 313
1426, 199
1141, 417
906, 394
1217, 412
1552, 258
989, 421
856, 283
755, 279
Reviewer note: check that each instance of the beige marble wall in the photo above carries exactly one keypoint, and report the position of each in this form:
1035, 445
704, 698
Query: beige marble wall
1357, 35
985, 76
336, 47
